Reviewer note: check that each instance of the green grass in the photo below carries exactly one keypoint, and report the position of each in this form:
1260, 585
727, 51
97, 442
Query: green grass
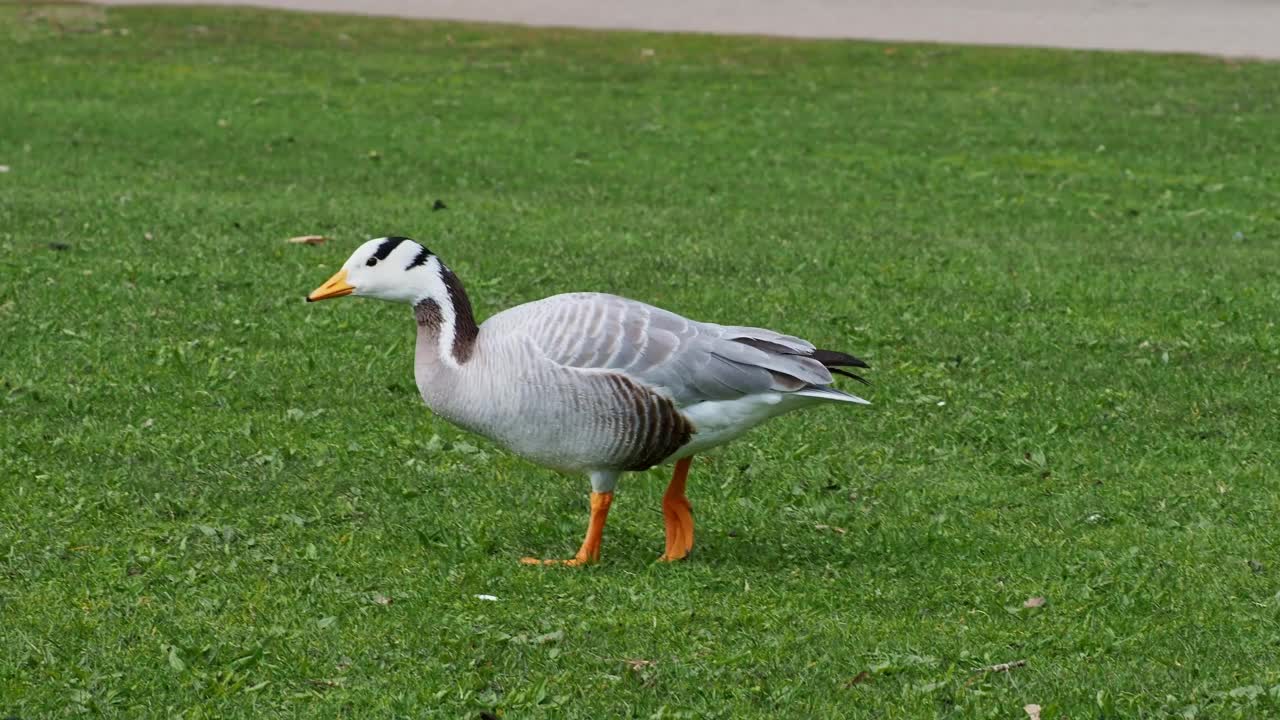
1062, 267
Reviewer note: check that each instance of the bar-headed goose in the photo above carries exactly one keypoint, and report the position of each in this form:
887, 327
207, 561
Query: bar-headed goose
592, 383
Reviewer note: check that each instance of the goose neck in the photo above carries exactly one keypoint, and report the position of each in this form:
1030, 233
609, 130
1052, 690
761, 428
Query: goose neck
447, 327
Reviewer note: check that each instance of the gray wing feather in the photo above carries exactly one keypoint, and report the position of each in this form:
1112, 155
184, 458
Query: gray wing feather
687, 360
792, 343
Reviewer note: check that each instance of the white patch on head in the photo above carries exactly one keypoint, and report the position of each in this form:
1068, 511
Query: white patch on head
390, 276
404, 272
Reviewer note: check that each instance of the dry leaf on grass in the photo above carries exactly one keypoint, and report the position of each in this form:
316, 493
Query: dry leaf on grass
1033, 711
1034, 602
997, 668
858, 679
637, 664
1004, 667
839, 530
307, 239
551, 637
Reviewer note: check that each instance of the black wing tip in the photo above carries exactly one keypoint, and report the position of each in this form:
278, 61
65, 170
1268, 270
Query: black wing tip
835, 358
848, 374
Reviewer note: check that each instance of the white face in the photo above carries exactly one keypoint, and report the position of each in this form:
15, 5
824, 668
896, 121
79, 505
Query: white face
393, 269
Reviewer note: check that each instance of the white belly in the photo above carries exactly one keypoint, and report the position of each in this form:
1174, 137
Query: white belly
719, 421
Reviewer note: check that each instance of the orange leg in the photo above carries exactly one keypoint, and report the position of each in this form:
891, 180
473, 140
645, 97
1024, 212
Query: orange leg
590, 550
678, 514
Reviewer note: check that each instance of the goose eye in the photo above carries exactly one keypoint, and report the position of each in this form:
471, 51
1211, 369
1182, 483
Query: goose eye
371, 261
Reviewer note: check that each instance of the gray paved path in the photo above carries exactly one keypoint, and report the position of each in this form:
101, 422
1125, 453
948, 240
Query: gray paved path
1238, 28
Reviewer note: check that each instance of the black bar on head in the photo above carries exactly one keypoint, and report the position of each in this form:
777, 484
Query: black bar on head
419, 259
387, 246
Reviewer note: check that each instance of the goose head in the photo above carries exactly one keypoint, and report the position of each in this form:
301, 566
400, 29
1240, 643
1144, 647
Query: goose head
398, 269
395, 269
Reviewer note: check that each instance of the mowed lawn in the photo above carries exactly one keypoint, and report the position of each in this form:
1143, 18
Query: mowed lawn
218, 501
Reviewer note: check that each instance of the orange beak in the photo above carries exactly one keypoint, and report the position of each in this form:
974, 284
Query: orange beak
337, 286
